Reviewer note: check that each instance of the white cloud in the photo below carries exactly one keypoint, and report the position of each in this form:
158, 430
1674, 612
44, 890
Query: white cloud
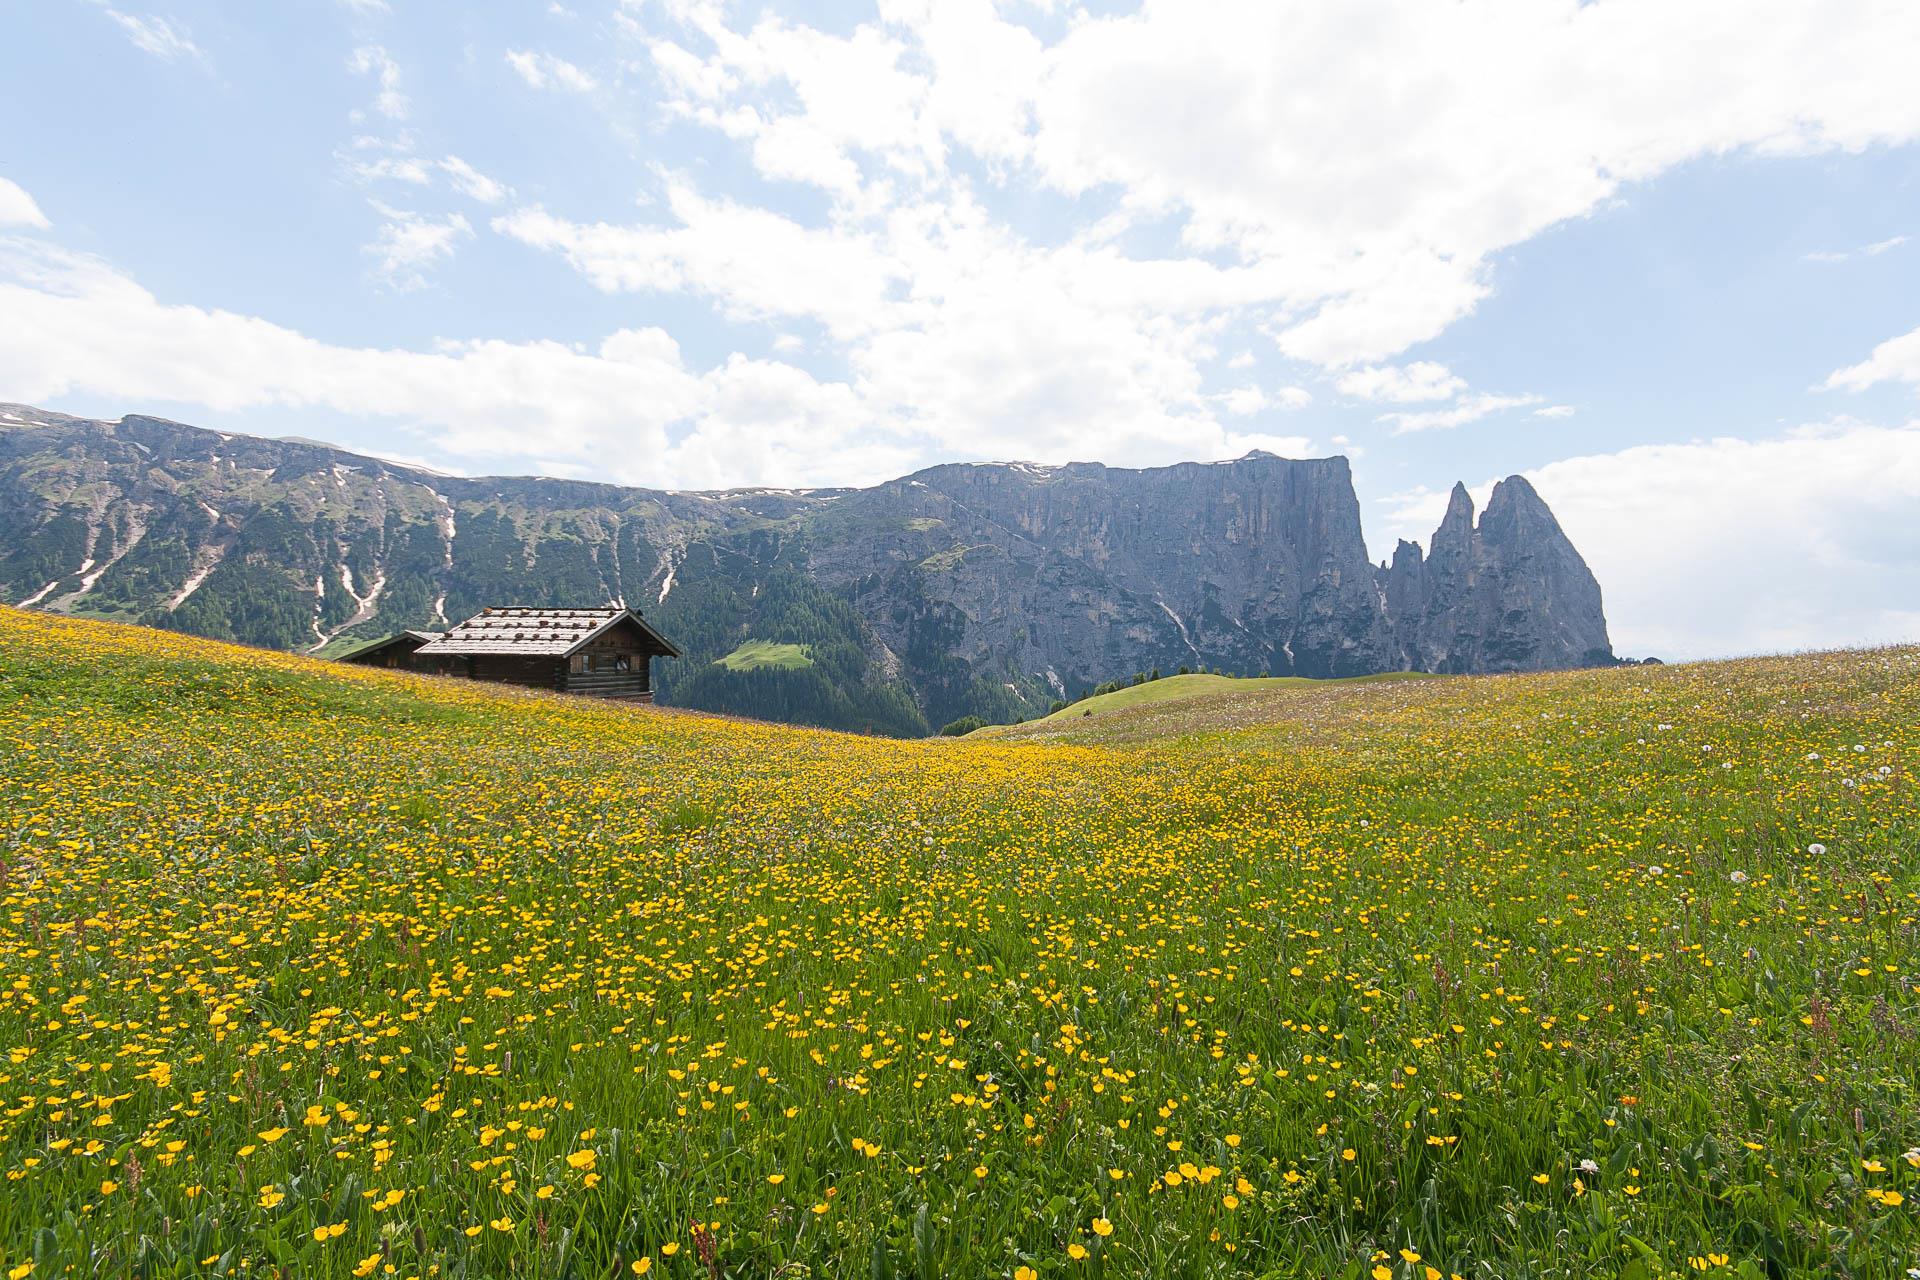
758, 264
1247, 400
1369, 219
1403, 384
368, 6
1244, 400
958, 327
373, 60
1895, 360
17, 208
1555, 411
783, 418
390, 168
1002, 361
375, 159
983, 71
1873, 250
1239, 444
409, 243
1735, 546
470, 182
1503, 121
961, 378
158, 36
1470, 408
852, 95
82, 327
1252, 399
545, 71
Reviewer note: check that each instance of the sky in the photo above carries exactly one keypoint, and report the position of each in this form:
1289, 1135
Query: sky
1663, 259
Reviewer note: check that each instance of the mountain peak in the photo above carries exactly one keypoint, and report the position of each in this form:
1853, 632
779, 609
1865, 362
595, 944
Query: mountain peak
1455, 533
1511, 594
1518, 491
1517, 513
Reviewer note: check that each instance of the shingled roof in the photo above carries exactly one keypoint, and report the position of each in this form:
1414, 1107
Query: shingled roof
535, 633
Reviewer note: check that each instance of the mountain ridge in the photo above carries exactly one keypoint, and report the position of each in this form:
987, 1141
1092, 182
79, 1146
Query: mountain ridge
962, 588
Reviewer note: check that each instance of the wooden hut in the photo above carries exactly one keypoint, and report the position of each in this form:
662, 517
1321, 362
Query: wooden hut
394, 651
604, 653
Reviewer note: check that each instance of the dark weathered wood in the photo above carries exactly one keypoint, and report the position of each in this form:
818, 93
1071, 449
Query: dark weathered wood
530, 673
609, 684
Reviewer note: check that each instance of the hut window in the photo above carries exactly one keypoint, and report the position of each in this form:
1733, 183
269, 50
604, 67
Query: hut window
578, 663
622, 663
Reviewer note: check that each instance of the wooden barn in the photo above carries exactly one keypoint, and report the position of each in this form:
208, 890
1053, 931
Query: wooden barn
395, 651
603, 653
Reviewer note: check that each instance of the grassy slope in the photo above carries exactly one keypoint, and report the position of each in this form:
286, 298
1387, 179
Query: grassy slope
765, 653
505, 983
1171, 688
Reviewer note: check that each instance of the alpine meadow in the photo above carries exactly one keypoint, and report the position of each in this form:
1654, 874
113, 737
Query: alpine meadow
318, 970
960, 640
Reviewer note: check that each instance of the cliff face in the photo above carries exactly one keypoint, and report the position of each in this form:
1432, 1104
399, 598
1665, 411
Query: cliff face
1510, 595
1075, 573
963, 588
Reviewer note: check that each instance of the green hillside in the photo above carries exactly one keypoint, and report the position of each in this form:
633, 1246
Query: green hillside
754, 654
773, 645
319, 970
1197, 684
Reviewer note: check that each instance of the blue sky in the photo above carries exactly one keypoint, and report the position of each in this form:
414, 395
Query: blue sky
1663, 259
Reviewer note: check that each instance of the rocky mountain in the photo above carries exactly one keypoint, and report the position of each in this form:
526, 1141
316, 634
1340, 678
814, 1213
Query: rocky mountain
985, 589
1509, 595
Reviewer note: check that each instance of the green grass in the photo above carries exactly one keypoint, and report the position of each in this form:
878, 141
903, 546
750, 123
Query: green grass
1170, 688
311, 970
755, 654
943, 561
